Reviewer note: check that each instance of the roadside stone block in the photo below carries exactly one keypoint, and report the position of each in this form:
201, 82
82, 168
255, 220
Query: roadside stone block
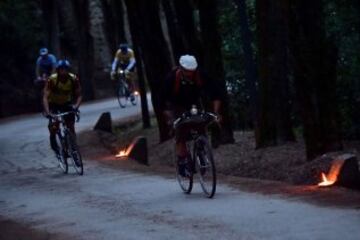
138, 151
104, 123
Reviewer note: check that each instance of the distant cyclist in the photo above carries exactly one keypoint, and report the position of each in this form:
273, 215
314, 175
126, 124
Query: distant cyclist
185, 86
62, 93
125, 60
45, 66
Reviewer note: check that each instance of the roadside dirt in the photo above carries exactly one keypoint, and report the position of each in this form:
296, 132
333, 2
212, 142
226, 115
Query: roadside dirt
271, 171
11, 230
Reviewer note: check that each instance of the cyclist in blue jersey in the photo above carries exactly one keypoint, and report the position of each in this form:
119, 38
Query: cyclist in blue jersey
45, 66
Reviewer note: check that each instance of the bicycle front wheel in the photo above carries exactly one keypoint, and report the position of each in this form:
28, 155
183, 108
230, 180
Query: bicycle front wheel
185, 182
61, 157
75, 153
121, 95
205, 166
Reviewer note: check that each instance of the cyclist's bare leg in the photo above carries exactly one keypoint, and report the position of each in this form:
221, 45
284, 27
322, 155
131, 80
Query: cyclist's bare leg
130, 81
181, 149
53, 128
70, 122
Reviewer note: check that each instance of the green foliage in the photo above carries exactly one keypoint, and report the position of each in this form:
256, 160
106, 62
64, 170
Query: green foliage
234, 61
21, 33
343, 26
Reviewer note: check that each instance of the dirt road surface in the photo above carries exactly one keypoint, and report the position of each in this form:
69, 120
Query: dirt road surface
109, 203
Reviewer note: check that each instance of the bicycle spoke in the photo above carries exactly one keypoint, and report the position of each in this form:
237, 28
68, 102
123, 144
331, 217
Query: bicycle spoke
75, 153
61, 156
206, 167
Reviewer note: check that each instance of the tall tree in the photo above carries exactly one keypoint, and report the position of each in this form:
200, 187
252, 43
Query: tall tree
85, 48
274, 123
136, 39
186, 26
145, 19
175, 35
114, 22
51, 19
314, 60
212, 60
250, 66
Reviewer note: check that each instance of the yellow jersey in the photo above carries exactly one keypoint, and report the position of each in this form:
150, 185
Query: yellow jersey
124, 59
61, 92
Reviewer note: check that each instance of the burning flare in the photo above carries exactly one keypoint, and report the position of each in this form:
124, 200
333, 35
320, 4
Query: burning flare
122, 153
331, 177
326, 182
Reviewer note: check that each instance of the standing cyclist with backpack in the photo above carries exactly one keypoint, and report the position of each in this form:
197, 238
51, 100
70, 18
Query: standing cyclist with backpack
62, 93
185, 86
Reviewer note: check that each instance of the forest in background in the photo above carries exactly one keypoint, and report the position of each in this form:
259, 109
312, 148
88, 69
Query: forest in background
288, 69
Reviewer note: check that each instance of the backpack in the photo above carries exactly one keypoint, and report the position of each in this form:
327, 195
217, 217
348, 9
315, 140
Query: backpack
179, 76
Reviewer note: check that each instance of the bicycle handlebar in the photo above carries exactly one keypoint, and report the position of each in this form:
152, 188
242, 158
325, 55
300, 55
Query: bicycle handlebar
59, 115
195, 118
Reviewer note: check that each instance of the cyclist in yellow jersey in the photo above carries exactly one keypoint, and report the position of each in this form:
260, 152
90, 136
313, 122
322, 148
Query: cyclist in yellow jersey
125, 60
60, 92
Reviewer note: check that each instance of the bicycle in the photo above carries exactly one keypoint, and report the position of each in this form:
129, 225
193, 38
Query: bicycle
66, 141
201, 157
123, 92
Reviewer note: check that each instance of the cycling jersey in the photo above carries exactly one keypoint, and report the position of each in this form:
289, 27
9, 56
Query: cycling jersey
181, 93
45, 64
61, 92
124, 60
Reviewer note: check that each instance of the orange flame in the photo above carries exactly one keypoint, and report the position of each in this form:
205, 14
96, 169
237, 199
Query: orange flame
325, 181
331, 177
122, 153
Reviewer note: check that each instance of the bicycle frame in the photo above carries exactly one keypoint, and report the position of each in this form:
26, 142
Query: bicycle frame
122, 79
198, 146
59, 118
68, 142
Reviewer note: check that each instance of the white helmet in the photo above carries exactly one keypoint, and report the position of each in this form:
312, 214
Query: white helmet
188, 62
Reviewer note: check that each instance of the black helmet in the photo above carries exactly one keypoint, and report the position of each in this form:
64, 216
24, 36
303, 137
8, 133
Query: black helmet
64, 64
124, 47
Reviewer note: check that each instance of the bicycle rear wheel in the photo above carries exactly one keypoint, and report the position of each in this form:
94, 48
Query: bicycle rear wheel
205, 166
121, 95
133, 99
74, 153
186, 183
63, 164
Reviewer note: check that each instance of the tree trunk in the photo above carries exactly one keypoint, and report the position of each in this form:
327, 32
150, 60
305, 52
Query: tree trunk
142, 89
140, 69
85, 49
174, 33
51, 18
250, 67
144, 18
274, 123
114, 22
314, 62
186, 27
213, 63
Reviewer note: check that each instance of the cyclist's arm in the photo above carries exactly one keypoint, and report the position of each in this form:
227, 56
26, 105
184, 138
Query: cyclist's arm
45, 98
132, 61
217, 106
116, 61
78, 94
